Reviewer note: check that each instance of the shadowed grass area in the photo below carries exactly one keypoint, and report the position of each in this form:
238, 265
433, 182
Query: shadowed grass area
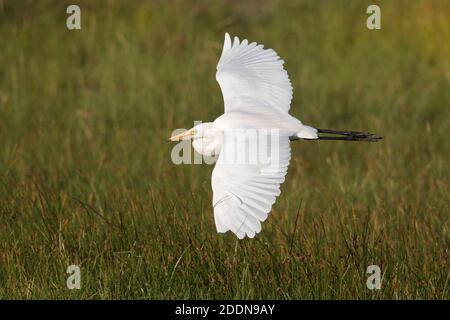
86, 176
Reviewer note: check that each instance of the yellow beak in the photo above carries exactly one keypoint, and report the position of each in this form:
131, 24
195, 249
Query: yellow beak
187, 135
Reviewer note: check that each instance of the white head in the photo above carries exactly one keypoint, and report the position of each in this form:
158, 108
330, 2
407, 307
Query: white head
206, 139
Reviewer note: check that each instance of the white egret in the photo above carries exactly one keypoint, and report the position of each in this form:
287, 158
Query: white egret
257, 94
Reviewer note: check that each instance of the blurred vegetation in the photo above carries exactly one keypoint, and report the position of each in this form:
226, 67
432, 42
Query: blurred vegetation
86, 176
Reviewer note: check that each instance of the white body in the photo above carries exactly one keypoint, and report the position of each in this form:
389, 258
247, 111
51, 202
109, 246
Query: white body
288, 125
257, 95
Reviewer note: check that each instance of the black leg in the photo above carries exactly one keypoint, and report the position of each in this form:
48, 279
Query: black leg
348, 135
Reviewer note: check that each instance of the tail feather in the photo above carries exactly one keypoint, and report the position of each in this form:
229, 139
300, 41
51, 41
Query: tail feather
307, 132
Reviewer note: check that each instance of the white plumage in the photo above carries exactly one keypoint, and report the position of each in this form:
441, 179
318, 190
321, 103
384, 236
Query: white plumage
254, 84
257, 94
250, 75
243, 194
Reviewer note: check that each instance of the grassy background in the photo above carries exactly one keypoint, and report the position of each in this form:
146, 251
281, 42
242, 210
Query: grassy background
86, 176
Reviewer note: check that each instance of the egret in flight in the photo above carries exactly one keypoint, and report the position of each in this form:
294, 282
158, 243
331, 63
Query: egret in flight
257, 94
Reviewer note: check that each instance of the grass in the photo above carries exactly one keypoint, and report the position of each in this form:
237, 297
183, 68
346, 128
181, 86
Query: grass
86, 176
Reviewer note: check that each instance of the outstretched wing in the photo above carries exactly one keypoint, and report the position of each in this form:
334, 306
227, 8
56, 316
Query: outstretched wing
252, 76
245, 186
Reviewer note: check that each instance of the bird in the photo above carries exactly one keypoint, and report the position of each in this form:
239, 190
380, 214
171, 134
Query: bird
257, 94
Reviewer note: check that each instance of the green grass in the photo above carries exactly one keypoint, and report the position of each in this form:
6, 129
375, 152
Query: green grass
86, 176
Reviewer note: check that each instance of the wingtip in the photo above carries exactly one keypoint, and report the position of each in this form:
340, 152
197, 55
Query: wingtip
227, 42
236, 41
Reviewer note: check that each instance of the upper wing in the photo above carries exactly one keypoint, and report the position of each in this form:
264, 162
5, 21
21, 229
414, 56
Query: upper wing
252, 76
244, 191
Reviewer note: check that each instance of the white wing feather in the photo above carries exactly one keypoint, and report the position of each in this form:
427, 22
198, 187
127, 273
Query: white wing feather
244, 193
252, 76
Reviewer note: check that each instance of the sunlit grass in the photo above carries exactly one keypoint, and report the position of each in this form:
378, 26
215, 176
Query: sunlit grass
86, 176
